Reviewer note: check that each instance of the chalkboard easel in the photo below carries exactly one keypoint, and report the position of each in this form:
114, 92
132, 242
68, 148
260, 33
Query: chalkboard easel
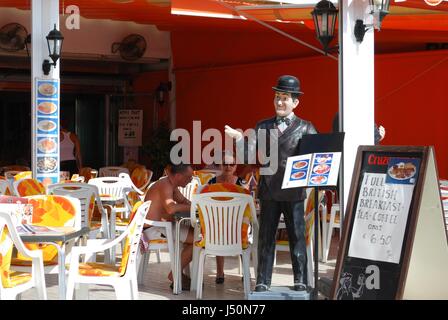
394, 244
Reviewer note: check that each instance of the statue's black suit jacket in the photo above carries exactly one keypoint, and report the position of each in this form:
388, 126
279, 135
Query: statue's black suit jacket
270, 186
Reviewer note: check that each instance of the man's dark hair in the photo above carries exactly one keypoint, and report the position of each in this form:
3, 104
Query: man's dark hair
179, 168
295, 96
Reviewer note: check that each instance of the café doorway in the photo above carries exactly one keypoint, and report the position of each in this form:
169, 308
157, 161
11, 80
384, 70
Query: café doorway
80, 113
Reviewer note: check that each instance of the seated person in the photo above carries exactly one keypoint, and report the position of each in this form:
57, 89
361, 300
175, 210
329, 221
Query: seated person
228, 168
166, 200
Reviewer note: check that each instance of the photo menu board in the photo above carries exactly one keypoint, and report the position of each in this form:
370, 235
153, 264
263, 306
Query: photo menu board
380, 223
47, 130
313, 170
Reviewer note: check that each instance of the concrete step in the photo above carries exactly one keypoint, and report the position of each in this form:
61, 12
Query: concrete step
280, 293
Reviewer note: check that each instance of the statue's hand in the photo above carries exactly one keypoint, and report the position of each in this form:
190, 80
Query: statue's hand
382, 132
235, 134
361, 279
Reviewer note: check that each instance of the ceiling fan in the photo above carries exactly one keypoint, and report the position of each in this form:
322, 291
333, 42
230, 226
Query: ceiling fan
14, 37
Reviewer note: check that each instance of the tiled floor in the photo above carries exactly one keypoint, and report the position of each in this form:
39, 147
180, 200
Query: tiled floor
156, 284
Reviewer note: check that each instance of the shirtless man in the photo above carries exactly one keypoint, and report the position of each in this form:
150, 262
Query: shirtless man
166, 200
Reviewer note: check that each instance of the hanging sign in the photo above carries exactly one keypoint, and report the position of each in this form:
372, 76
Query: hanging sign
393, 229
47, 130
130, 123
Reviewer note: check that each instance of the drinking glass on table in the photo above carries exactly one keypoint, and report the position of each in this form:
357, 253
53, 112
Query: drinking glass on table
94, 173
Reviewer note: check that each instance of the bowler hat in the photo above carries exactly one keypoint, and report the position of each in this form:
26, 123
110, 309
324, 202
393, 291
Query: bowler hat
288, 84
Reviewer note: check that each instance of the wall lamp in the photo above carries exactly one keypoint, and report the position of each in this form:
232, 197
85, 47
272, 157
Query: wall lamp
379, 9
54, 42
160, 91
324, 16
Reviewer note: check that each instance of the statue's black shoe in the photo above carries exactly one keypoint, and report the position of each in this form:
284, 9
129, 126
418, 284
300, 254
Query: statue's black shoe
300, 287
261, 287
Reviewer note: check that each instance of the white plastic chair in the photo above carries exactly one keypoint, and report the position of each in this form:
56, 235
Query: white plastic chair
112, 171
146, 185
74, 222
205, 175
8, 240
112, 191
279, 245
332, 223
223, 221
136, 176
4, 187
130, 184
124, 277
190, 188
88, 195
157, 244
37, 189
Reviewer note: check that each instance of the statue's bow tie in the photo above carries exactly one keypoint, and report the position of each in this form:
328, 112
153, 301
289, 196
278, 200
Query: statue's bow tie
286, 120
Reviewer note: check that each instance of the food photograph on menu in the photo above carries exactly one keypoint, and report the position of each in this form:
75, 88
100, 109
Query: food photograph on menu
46, 164
322, 172
46, 107
48, 126
402, 170
47, 145
299, 169
47, 89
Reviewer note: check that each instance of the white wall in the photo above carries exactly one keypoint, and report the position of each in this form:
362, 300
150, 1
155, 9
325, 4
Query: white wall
95, 37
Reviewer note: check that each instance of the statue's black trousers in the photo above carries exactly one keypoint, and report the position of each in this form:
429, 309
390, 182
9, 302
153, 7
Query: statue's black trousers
293, 212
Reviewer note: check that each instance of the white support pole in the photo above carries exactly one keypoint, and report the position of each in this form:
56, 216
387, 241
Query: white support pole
44, 14
357, 109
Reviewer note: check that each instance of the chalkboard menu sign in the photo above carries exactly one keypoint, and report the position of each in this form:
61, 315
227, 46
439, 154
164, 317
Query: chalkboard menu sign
381, 219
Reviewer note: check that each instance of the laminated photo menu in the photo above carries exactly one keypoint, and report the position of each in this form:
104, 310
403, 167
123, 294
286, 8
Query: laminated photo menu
46, 135
312, 170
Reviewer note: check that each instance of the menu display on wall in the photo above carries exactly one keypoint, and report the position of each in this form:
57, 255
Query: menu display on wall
130, 123
313, 169
47, 130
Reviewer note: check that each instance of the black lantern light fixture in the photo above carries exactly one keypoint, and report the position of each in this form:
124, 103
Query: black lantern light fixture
160, 91
324, 16
379, 9
54, 42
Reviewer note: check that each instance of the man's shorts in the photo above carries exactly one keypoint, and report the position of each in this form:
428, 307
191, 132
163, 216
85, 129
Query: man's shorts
154, 233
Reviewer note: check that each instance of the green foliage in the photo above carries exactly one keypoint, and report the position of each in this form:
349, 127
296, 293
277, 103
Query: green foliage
158, 149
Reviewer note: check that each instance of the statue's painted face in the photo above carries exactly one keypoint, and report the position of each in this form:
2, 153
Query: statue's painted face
284, 104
